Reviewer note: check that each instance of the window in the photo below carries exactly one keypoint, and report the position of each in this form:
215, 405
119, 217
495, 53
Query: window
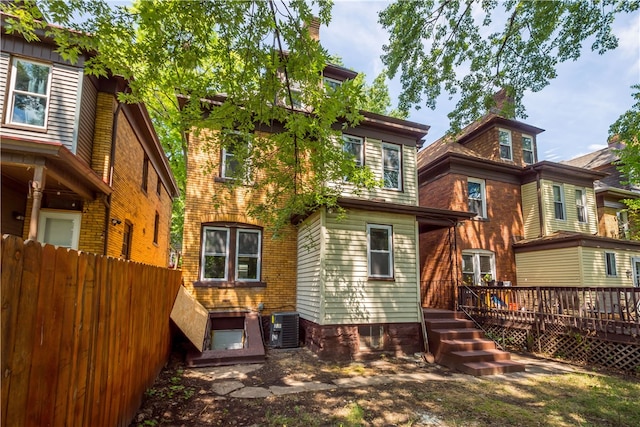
127, 237
354, 146
623, 225
156, 226
528, 154
581, 205
145, 173
380, 250
504, 136
30, 85
158, 186
371, 337
610, 264
331, 84
476, 265
230, 165
392, 166
558, 202
477, 200
231, 254
59, 228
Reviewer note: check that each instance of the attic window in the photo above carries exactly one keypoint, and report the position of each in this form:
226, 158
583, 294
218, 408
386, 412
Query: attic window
504, 136
331, 84
528, 155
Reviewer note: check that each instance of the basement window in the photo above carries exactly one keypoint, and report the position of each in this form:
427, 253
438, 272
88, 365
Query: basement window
371, 337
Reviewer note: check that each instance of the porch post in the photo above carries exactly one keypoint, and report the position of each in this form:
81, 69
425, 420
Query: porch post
37, 187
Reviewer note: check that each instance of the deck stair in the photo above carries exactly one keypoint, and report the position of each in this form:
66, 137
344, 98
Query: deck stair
456, 343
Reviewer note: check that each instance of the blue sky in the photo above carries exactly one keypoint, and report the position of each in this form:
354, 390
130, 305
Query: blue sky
575, 110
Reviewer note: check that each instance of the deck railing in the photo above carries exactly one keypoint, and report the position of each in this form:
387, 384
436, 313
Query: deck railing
610, 310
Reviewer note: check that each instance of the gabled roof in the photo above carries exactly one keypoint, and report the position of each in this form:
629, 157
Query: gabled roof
596, 159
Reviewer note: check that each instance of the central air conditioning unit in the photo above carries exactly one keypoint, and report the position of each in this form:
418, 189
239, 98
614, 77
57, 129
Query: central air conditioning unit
283, 331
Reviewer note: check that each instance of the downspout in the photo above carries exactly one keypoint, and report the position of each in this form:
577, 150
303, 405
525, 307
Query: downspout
36, 188
453, 262
540, 210
107, 199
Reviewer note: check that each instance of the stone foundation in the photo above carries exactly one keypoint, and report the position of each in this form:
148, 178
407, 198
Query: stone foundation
342, 342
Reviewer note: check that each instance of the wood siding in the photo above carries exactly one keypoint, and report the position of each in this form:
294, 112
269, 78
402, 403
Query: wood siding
571, 222
310, 248
373, 160
551, 267
530, 211
86, 120
349, 297
593, 262
4, 79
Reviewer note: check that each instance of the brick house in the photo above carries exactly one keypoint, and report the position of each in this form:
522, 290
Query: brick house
353, 281
79, 169
536, 223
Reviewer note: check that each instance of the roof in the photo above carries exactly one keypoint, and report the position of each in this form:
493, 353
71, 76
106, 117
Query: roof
565, 239
596, 159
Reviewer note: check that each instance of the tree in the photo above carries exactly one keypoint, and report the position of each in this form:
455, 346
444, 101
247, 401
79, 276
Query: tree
256, 59
457, 47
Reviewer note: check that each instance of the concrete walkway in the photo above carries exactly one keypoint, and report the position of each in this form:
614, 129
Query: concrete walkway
227, 380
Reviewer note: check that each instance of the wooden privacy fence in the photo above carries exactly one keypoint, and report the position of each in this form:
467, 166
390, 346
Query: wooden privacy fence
83, 336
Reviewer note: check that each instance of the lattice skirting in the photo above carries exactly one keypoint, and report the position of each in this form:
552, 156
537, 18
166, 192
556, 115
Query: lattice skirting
558, 342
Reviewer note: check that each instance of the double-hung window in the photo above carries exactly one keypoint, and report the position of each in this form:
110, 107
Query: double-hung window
504, 137
380, 250
331, 84
610, 264
29, 96
392, 166
236, 146
528, 154
231, 254
477, 199
623, 224
581, 205
354, 146
477, 265
558, 202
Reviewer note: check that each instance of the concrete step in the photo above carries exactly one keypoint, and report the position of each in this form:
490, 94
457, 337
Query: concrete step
468, 356
448, 324
452, 334
491, 368
434, 313
447, 346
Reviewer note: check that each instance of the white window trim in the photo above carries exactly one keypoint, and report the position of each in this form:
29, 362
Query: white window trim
483, 194
562, 201
606, 264
331, 80
583, 199
622, 217
389, 250
397, 148
476, 253
532, 151
75, 217
204, 254
223, 165
13, 91
258, 256
510, 145
357, 139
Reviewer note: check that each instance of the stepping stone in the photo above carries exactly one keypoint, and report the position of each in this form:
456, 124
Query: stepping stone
280, 390
251, 393
226, 387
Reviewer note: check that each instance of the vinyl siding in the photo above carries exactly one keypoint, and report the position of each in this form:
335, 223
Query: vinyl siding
310, 243
4, 75
593, 261
555, 267
373, 160
349, 296
571, 222
530, 211
63, 101
86, 122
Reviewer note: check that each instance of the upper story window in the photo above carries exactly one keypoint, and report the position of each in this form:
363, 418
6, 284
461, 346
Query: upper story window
478, 266
156, 227
230, 166
477, 199
145, 173
158, 186
610, 264
380, 250
127, 238
392, 166
331, 84
354, 145
29, 96
528, 154
581, 205
558, 202
623, 225
504, 136
231, 253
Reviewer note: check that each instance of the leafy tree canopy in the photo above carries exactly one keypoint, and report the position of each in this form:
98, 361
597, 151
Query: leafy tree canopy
254, 61
470, 49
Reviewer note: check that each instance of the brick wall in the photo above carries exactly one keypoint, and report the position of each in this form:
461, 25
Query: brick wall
487, 145
210, 201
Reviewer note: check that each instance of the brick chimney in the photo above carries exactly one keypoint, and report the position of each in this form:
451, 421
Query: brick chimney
314, 28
